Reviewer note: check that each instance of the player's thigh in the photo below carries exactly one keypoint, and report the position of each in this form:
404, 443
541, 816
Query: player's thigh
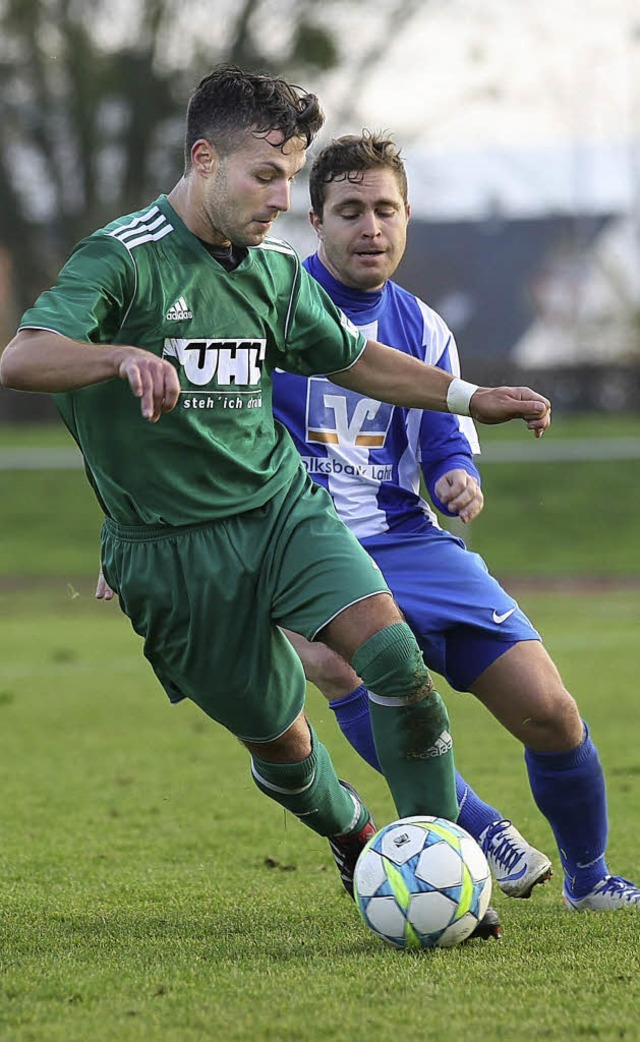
524, 691
192, 596
317, 568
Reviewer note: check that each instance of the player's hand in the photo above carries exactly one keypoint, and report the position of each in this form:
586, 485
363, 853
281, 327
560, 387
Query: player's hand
499, 404
103, 590
154, 380
460, 493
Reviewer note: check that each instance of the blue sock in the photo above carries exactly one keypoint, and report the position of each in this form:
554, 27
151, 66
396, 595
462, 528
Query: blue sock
352, 714
475, 815
569, 789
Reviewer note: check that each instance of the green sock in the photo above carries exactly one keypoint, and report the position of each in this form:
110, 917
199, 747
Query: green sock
311, 790
410, 724
416, 755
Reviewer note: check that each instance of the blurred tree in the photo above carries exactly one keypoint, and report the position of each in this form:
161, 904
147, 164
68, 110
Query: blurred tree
92, 96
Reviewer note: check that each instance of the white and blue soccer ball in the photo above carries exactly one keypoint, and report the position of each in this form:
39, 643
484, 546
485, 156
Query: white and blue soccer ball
422, 882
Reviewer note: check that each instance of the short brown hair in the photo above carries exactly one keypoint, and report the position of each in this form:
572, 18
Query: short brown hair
347, 158
230, 101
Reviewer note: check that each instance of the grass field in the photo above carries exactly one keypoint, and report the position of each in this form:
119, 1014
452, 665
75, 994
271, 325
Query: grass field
149, 893
549, 520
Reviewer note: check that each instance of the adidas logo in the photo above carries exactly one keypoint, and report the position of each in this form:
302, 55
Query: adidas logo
179, 311
442, 745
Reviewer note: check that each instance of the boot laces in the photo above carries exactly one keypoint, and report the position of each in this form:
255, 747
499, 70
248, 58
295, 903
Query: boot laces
504, 850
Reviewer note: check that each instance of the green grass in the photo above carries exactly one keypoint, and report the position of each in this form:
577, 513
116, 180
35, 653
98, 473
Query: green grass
29, 435
569, 426
149, 893
50, 520
558, 519
565, 425
138, 905
553, 519
546, 519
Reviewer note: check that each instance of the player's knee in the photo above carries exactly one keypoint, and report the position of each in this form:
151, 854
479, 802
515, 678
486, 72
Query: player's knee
328, 671
292, 746
555, 723
391, 664
567, 721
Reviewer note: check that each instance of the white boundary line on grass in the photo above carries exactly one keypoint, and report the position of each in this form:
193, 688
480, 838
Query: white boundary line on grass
547, 451
564, 451
40, 459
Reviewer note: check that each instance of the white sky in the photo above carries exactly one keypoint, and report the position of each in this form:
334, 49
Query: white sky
520, 105
499, 72
455, 73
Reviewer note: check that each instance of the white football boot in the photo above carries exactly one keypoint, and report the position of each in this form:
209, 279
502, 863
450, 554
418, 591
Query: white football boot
609, 895
515, 864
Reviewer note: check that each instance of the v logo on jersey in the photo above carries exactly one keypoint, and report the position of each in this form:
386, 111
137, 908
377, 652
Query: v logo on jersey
345, 418
349, 431
179, 311
502, 618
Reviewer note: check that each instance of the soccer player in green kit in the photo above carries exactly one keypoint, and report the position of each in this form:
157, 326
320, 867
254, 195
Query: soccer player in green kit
214, 537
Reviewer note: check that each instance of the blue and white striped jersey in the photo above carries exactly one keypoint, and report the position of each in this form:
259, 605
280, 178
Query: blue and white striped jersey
368, 454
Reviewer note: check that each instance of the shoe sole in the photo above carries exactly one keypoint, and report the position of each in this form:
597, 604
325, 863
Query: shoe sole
488, 927
485, 933
543, 877
631, 907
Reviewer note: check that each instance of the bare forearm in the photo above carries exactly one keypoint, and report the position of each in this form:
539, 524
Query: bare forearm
390, 376
37, 360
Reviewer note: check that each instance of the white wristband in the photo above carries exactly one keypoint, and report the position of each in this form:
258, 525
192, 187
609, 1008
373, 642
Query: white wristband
459, 395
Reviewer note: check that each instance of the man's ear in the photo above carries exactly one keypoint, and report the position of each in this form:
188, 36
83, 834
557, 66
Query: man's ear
204, 157
316, 223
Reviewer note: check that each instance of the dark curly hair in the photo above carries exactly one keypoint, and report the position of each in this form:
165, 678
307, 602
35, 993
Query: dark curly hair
348, 157
230, 101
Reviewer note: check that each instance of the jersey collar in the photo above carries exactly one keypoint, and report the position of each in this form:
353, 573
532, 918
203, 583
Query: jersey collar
362, 306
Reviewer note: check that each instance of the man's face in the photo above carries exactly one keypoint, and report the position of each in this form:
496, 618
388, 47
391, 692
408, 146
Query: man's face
246, 190
363, 230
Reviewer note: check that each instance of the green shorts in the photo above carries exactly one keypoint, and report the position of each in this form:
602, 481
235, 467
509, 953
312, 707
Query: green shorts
209, 599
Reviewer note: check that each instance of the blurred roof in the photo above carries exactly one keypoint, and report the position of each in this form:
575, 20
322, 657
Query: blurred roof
482, 275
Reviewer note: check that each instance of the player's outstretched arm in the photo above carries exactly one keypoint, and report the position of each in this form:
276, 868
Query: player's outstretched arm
39, 360
388, 375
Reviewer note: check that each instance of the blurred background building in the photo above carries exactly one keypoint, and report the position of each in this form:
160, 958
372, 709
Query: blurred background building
520, 125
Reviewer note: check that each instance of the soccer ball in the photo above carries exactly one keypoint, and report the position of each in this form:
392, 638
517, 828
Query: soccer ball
422, 882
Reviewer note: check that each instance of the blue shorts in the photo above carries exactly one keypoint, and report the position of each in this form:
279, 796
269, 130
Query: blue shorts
462, 618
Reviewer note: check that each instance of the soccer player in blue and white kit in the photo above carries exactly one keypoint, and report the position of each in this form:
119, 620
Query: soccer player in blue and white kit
369, 456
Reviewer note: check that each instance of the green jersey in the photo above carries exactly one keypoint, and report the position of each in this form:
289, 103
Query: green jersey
145, 280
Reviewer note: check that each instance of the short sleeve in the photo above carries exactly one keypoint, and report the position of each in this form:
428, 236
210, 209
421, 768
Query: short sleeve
319, 338
91, 296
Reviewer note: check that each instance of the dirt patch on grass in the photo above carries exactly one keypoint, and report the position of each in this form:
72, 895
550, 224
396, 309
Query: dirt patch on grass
569, 583
515, 583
